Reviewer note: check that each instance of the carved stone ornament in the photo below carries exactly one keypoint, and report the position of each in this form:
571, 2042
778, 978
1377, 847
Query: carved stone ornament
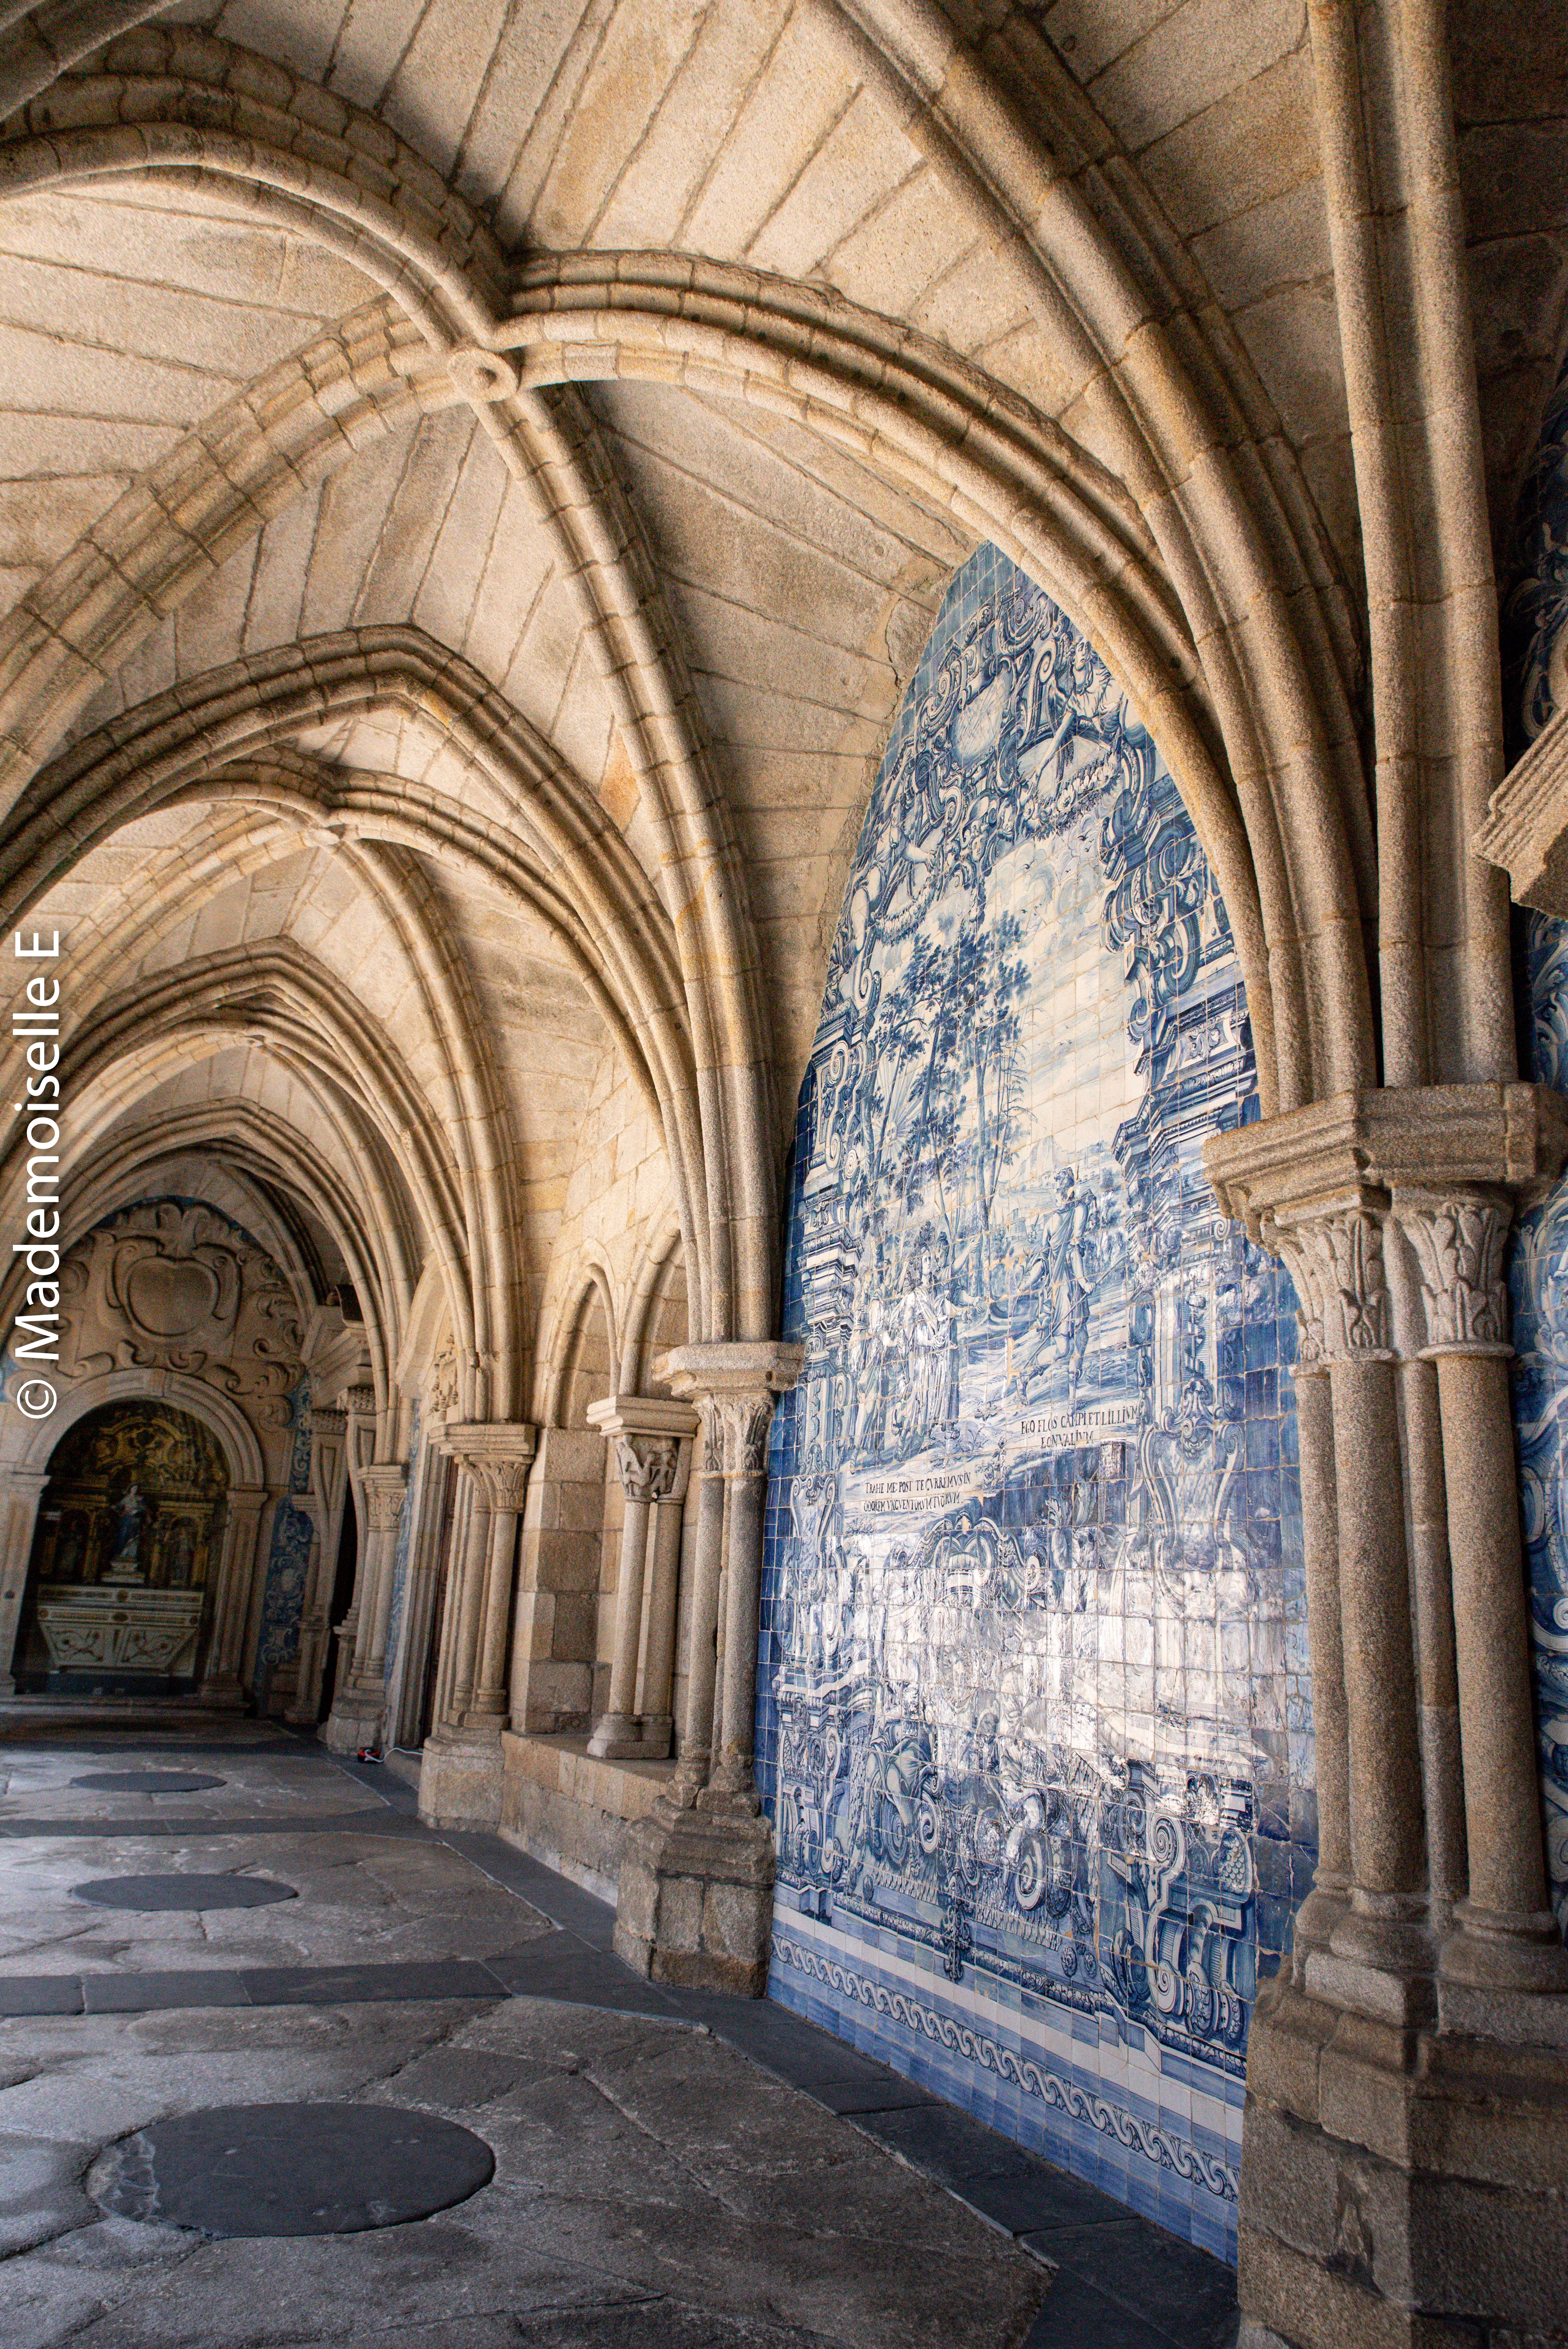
712, 1435
328, 1425
1341, 1250
1458, 1245
384, 1493
359, 1402
1299, 1263
172, 1285
747, 1421
441, 1387
646, 1465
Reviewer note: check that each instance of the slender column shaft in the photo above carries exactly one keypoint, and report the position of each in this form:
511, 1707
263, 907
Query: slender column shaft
489, 1694
629, 1604
1386, 1826
1432, 1598
702, 1654
747, 1495
471, 1600
659, 1656
457, 1538
1501, 1788
1320, 1541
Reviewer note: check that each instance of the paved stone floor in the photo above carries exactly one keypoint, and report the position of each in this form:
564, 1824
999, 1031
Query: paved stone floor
671, 2172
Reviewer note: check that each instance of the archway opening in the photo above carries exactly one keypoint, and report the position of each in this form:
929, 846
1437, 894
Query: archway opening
124, 1555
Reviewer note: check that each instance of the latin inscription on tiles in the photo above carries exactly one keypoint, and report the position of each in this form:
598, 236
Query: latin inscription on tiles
1033, 1692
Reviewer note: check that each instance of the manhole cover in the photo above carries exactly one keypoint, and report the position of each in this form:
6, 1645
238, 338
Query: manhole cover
147, 1782
292, 2169
183, 1891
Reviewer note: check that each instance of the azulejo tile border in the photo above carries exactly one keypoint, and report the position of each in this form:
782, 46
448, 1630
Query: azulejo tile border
1158, 2145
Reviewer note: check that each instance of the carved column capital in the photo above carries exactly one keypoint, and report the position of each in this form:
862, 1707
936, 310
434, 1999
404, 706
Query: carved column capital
747, 1419
386, 1489
498, 1455
1334, 1249
325, 1424
647, 1465
1458, 1242
359, 1402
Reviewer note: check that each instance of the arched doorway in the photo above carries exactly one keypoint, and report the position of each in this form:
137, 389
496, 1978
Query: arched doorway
124, 1560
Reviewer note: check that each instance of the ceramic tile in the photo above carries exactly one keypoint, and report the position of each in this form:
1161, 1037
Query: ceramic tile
1022, 1660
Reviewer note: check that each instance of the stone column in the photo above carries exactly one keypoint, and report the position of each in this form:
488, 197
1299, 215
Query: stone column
646, 1435
659, 1646
695, 1900
460, 1778
1382, 1944
1508, 1942
747, 1419
386, 1484
21, 1490
707, 1566
231, 1594
328, 1431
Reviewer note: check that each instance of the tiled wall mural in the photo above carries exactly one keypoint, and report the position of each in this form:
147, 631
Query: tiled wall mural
1035, 1724
1538, 646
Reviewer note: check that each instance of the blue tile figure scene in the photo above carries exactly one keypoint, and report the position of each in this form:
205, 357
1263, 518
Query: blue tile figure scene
1035, 1720
1538, 631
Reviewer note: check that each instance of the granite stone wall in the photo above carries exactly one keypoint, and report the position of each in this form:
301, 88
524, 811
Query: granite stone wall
1035, 1723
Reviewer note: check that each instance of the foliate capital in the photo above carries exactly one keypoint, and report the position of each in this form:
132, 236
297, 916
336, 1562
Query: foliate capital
1459, 1243
747, 1419
1334, 1251
498, 1455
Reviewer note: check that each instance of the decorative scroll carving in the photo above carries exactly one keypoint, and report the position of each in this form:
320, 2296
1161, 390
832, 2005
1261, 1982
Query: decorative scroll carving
1458, 1245
171, 1285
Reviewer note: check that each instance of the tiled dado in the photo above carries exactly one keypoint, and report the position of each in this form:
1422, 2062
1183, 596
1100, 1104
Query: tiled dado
1035, 1725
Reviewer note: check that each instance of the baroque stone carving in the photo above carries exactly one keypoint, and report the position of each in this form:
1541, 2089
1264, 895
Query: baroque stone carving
172, 1285
1458, 1246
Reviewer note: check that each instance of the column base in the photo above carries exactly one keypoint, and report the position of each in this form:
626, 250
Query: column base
1400, 2190
224, 1693
460, 1778
355, 1721
1506, 1953
695, 1901
617, 1737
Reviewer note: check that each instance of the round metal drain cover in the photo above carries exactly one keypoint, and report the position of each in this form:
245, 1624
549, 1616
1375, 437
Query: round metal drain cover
190, 1892
292, 2169
147, 1782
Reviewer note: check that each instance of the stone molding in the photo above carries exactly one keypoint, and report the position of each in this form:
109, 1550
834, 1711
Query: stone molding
1526, 826
358, 1403
1431, 1139
324, 1423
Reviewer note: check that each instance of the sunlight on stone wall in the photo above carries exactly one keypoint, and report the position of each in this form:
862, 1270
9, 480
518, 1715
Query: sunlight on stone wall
1034, 1723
